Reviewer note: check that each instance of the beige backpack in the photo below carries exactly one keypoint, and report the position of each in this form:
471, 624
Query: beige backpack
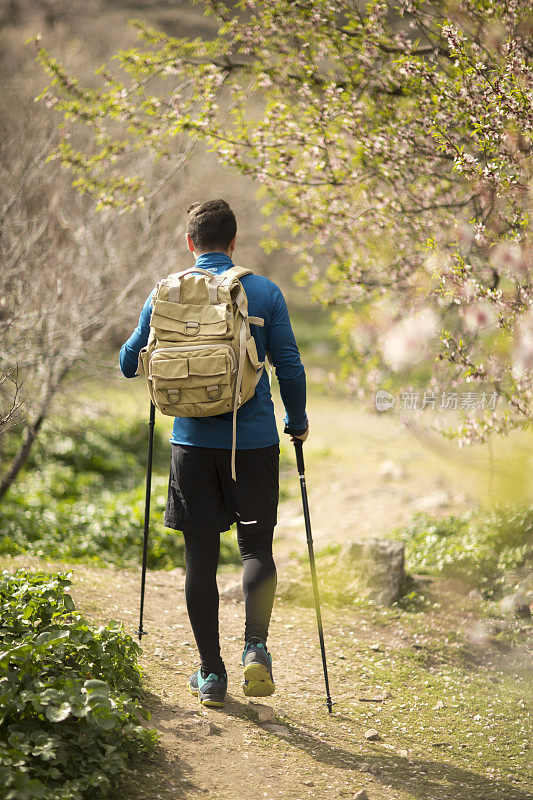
201, 357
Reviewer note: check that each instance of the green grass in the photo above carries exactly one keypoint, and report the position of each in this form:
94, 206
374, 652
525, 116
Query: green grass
81, 497
444, 705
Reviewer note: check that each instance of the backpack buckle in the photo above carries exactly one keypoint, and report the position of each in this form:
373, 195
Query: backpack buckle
192, 328
213, 392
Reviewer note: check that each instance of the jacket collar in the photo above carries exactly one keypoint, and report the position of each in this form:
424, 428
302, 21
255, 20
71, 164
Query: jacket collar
214, 262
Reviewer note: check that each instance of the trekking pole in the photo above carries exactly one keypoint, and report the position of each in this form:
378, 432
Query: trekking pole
298, 446
151, 425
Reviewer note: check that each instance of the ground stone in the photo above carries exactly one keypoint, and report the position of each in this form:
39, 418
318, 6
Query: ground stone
281, 730
294, 590
378, 568
516, 604
201, 725
265, 713
440, 498
233, 591
372, 735
361, 795
389, 469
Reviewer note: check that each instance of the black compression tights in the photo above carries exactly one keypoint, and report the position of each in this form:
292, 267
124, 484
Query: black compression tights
201, 592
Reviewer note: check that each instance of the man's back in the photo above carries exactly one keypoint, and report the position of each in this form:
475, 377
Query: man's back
256, 425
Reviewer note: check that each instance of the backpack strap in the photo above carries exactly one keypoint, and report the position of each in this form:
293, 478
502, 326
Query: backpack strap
237, 272
238, 384
240, 302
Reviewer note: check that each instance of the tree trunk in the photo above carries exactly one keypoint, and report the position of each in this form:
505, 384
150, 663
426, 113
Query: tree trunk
30, 435
23, 452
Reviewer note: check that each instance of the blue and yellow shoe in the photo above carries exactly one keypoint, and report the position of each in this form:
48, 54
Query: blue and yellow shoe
211, 691
257, 663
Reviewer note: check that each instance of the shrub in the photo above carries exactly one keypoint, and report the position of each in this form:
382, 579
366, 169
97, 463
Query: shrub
82, 497
486, 549
69, 695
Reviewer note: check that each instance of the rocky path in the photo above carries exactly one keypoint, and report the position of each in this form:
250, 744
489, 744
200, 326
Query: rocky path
302, 752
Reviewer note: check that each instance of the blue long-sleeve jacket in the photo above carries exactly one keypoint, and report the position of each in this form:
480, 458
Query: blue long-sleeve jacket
256, 425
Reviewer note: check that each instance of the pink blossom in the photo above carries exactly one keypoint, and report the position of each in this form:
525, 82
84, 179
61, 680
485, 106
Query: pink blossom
479, 316
407, 341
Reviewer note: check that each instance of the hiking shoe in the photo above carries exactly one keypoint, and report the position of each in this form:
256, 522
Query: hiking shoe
211, 691
257, 663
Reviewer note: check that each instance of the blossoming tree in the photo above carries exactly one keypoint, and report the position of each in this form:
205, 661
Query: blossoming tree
393, 141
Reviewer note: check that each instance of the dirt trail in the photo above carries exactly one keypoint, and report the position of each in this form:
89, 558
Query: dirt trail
227, 755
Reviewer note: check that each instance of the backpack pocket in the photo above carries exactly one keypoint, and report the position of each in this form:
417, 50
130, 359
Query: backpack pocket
192, 380
251, 349
179, 322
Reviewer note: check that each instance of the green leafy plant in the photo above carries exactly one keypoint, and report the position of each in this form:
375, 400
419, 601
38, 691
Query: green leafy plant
70, 695
485, 549
82, 497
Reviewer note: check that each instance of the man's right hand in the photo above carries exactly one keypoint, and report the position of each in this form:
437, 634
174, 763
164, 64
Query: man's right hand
303, 436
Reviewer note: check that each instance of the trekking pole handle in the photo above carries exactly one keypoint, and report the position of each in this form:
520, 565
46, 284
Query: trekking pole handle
299, 449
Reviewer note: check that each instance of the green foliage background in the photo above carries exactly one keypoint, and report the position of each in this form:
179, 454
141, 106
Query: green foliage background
488, 550
82, 494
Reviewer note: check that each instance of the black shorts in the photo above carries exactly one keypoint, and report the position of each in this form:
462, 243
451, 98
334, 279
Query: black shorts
202, 497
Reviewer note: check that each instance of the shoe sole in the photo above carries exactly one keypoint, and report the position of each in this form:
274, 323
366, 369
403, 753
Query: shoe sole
257, 681
206, 701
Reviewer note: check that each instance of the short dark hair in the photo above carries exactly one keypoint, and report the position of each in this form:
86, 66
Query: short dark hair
211, 225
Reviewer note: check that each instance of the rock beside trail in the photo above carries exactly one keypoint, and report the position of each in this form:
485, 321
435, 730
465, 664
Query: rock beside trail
372, 735
280, 730
233, 591
377, 566
264, 713
516, 604
287, 588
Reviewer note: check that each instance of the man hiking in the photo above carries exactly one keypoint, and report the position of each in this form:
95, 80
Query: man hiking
203, 499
